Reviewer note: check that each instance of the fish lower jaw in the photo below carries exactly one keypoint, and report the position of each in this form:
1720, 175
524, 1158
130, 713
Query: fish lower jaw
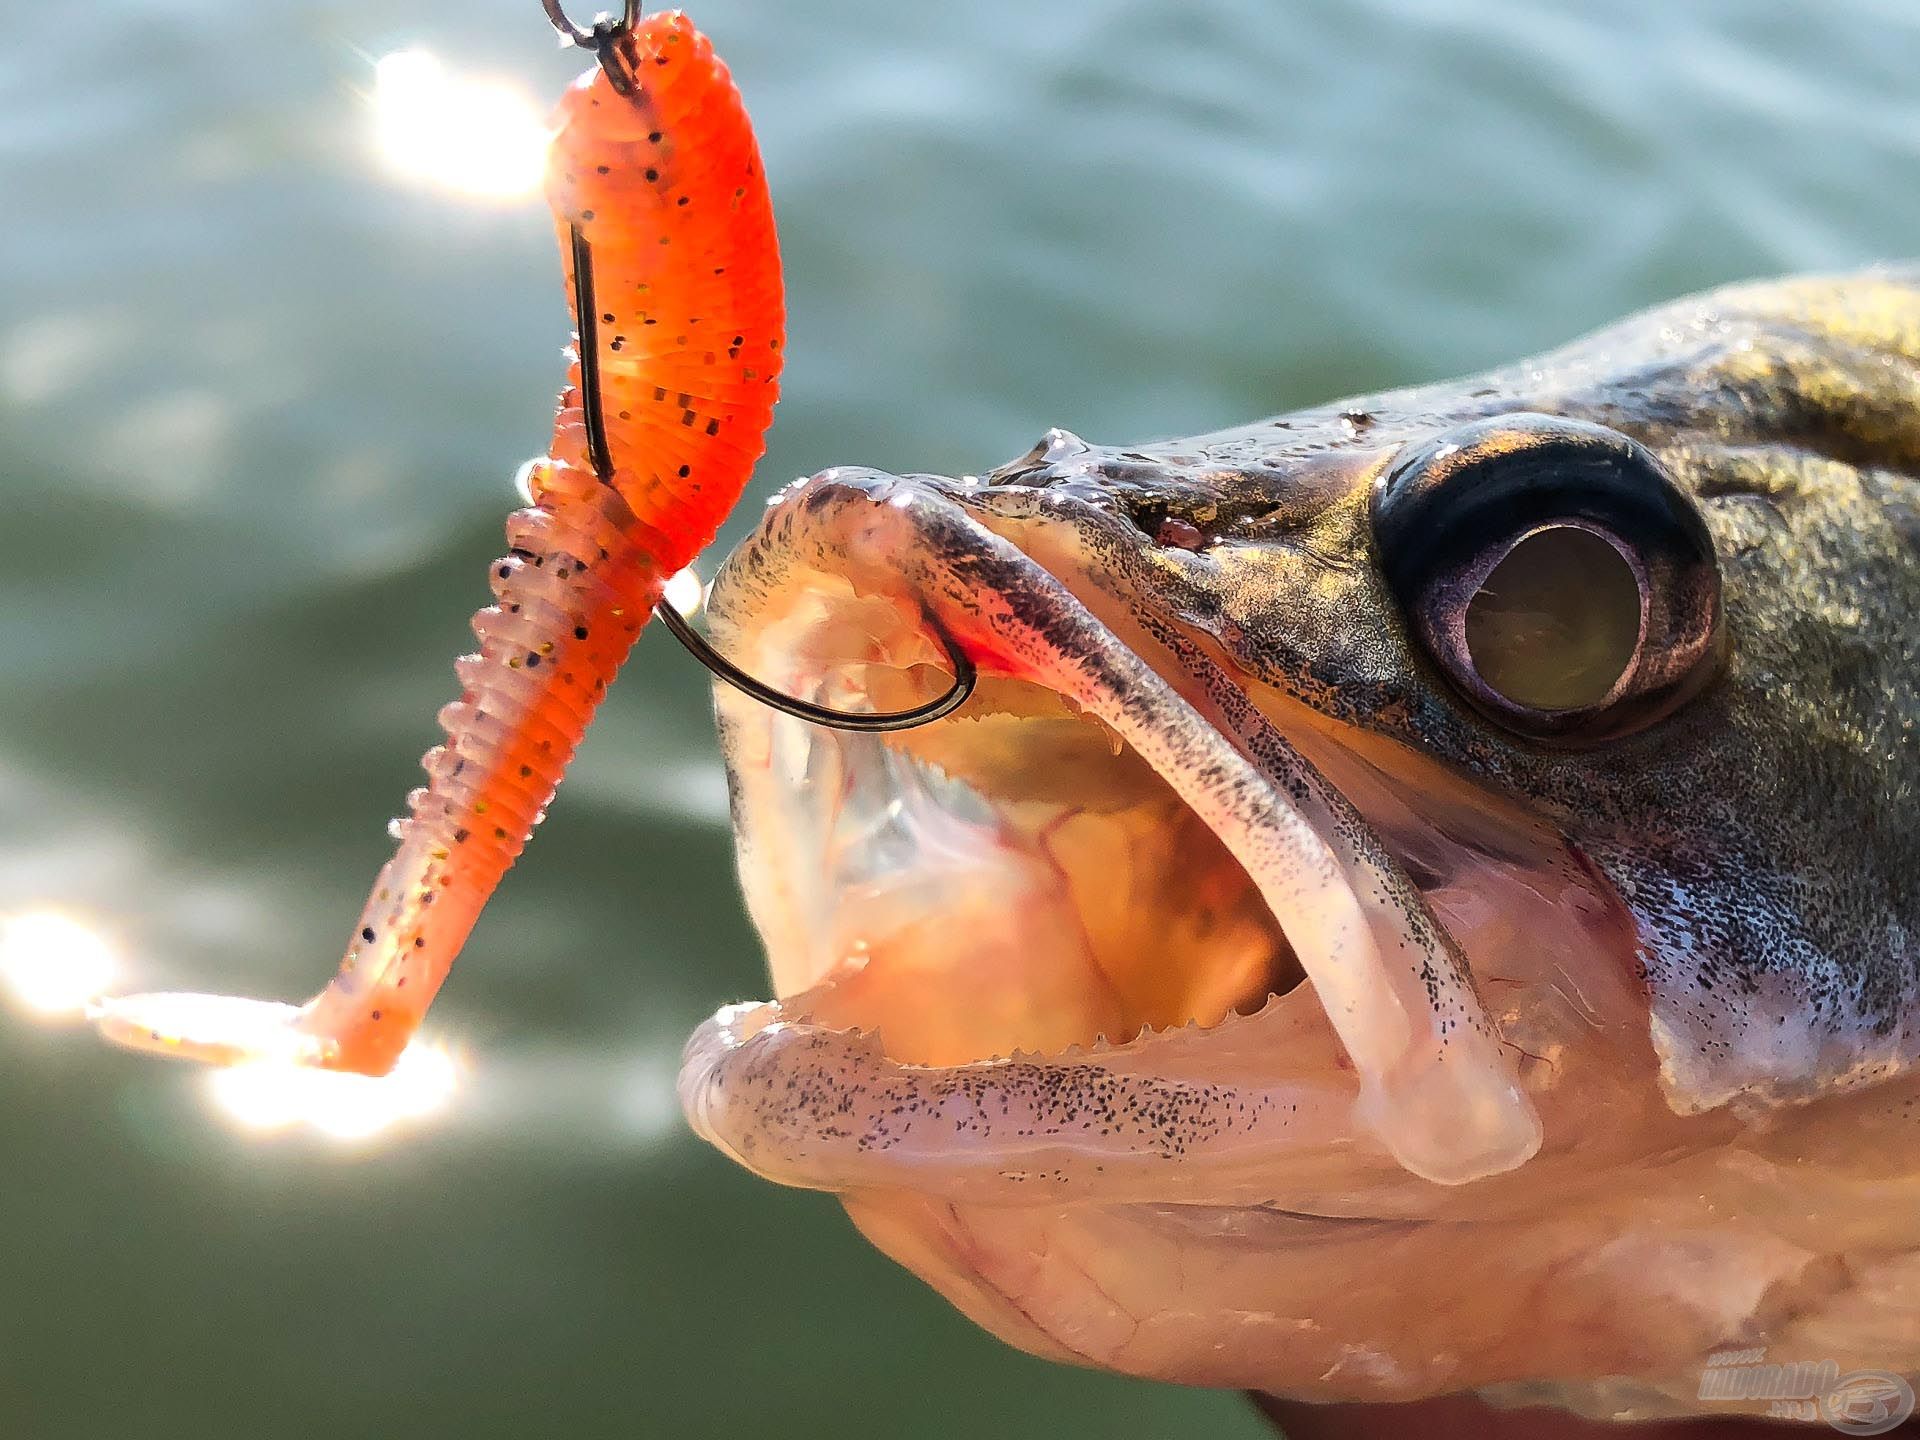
1020, 992
828, 1108
998, 1001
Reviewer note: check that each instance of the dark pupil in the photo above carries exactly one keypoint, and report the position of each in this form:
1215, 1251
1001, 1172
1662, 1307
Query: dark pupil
1556, 622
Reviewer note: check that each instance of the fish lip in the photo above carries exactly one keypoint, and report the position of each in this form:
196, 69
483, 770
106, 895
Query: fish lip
921, 541
824, 1108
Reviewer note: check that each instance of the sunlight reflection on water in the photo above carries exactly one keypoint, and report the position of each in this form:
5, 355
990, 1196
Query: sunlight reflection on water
53, 965
479, 138
264, 1098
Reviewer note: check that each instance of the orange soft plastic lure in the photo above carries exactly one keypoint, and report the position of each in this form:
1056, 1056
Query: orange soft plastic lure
666, 231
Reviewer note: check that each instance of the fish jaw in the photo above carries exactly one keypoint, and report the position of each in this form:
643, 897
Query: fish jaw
941, 1053
1192, 1198
1204, 1200
1692, 941
1430, 1080
951, 1012
807, 1104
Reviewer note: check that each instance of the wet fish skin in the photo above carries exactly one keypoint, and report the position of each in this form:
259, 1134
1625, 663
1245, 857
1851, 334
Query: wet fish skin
1767, 838
1726, 1093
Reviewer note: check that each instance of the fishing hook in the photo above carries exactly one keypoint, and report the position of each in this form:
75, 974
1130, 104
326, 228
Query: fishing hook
880, 721
603, 39
965, 676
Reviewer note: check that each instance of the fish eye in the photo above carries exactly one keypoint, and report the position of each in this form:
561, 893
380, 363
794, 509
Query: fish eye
1554, 571
1556, 622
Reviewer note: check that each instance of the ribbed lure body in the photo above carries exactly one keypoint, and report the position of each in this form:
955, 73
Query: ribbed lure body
661, 177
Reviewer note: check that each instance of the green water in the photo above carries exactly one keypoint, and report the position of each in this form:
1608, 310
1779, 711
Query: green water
259, 407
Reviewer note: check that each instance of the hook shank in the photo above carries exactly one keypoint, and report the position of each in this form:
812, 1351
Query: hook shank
600, 456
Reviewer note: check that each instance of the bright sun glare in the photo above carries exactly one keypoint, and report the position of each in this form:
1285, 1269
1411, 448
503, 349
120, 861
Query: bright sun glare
479, 138
483, 139
52, 965
268, 1097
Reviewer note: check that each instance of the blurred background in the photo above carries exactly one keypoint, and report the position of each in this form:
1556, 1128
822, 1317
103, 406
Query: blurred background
274, 336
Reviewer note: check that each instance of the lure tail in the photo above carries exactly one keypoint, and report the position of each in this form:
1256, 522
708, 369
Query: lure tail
667, 235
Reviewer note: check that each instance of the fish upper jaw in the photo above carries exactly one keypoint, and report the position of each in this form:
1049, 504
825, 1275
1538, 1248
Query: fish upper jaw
1387, 1052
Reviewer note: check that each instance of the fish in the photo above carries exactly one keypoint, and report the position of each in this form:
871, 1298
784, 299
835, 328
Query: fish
672, 263
1421, 900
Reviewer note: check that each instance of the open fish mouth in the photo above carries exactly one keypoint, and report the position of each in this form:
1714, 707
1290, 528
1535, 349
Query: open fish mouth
1107, 919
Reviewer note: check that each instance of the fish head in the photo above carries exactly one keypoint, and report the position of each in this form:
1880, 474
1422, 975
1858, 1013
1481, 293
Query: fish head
1418, 898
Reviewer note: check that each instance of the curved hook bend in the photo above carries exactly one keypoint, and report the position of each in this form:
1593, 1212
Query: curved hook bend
964, 678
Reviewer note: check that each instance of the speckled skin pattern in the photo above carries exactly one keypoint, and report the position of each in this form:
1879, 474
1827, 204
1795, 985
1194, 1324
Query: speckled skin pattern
1688, 951
1767, 838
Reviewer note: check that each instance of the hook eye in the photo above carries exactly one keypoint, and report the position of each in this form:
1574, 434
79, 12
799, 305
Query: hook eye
603, 38
604, 29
